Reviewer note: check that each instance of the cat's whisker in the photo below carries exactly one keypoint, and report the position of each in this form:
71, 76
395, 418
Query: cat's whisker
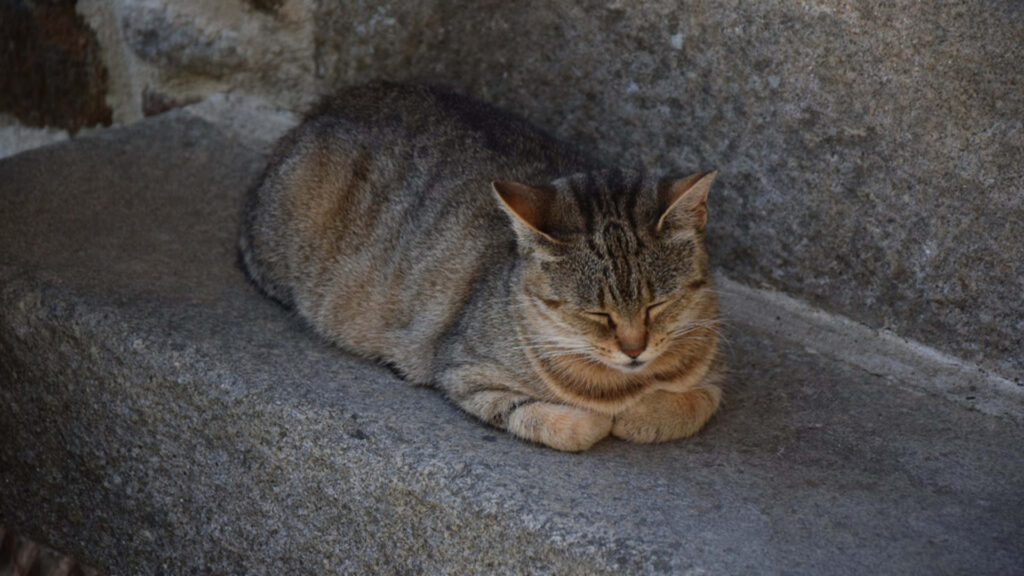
691, 338
542, 347
552, 350
562, 353
691, 331
552, 344
682, 331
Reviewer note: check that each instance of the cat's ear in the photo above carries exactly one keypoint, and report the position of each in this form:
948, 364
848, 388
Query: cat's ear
532, 209
684, 202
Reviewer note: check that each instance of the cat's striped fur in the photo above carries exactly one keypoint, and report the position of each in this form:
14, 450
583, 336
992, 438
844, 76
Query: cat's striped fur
545, 295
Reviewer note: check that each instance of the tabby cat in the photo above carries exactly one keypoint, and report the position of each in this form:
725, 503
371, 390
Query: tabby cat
544, 294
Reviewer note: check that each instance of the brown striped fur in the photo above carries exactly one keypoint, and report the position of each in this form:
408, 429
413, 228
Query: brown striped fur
474, 253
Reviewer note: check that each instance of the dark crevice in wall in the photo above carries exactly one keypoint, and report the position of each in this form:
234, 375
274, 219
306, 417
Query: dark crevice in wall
51, 70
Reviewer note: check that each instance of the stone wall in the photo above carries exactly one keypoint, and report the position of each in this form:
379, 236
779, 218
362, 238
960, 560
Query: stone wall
871, 154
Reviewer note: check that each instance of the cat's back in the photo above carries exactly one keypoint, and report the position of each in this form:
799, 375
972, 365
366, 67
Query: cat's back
448, 136
375, 219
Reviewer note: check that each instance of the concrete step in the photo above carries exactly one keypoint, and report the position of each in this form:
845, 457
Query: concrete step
159, 416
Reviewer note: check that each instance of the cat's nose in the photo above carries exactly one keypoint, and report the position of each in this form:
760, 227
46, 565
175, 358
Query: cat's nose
632, 338
632, 352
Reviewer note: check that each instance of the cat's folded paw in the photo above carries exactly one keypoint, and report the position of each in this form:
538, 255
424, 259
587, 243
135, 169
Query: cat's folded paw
662, 416
559, 426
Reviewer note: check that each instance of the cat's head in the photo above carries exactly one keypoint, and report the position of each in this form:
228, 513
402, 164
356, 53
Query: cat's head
615, 267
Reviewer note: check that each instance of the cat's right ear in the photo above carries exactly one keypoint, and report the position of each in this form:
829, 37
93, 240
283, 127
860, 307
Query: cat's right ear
531, 208
684, 202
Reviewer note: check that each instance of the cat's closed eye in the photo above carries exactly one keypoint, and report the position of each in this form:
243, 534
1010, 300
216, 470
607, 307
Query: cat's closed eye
600, 317
552, 303
654, 309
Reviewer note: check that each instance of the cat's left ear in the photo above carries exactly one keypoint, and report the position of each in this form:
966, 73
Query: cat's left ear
684, 202
532, 209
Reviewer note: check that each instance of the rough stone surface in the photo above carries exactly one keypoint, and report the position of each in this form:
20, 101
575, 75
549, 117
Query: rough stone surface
16, 137
51, 72
155, 36
871, 154
163, 52
155, 102
161, 417
193, 48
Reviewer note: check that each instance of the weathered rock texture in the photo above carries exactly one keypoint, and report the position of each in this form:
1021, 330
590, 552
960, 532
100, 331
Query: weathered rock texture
160, 416
871, 154
16, 137
176, 52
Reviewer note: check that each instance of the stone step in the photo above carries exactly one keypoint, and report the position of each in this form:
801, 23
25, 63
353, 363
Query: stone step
158, 416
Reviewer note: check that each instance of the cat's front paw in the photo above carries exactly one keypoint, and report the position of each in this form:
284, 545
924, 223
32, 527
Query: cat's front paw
662, 416
559, 426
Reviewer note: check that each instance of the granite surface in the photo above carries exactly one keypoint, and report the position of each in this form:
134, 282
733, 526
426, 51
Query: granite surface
159, 416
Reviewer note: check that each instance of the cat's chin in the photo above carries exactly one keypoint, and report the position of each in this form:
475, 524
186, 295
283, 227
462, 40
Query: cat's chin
631, 367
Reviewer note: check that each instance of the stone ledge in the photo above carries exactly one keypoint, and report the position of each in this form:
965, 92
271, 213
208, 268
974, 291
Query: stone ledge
159, 416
